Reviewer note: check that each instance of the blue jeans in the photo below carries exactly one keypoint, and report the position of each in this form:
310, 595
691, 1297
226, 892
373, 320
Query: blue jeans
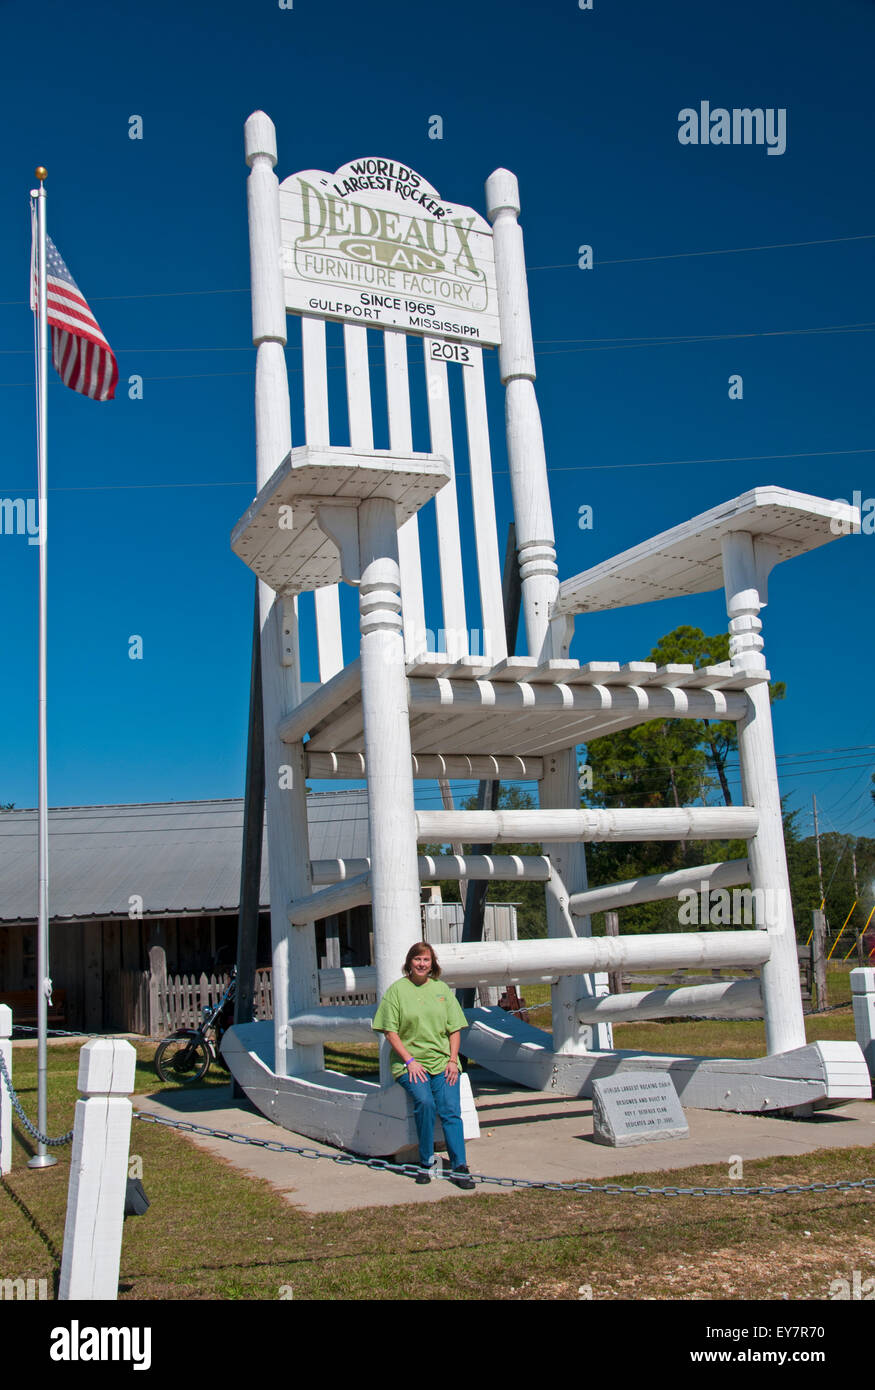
435, 1097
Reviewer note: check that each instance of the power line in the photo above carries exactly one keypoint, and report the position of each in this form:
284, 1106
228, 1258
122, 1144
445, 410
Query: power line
728, 251
462, 473
565, 265
625, 340
669, 340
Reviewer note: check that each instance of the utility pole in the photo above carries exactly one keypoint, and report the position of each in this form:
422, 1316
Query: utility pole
819, 865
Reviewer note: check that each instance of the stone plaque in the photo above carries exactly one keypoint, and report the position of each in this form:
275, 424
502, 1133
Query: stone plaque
634, 1107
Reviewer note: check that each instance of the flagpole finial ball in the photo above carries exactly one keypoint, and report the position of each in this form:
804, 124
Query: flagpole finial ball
41, 173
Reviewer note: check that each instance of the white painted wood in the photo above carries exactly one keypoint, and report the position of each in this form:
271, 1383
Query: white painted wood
329, 638
559, 790
499, 867
464, 709
523, 1055
349, 893
447, 513
358, 387
863, 998
98, 1171
401, 442
624, 824
280, 536
738, 998
5, 1101
456, 846
543, 961
262, 190
494, 642
429, 695
782, 1000
293, 951
347, 1023
317, 707
318, 433
343, 729
656, 887
294, 962
349, 979
687, 558
352, 765
525, 442
394, 872
314, 358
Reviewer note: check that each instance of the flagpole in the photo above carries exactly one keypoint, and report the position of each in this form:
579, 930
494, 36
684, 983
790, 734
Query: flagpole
42, 1158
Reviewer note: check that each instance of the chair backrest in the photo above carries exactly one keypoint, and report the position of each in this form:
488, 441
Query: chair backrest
376, 248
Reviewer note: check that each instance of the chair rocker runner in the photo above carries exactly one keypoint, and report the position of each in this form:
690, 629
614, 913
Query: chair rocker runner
375, 246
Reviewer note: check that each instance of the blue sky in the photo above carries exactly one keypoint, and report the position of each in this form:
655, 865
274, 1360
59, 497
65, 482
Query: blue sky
583, 106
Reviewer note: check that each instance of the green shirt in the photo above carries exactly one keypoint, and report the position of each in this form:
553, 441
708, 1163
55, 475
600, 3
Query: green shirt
423, 1016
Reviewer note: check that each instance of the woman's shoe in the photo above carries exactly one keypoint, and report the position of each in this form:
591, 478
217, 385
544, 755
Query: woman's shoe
426, 1172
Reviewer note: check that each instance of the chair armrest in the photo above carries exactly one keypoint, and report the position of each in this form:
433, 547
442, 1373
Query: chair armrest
688, 559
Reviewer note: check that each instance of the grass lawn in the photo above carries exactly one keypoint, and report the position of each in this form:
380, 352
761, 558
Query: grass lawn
212, 1233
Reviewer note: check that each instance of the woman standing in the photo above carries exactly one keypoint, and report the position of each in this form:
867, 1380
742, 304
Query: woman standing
422, 1021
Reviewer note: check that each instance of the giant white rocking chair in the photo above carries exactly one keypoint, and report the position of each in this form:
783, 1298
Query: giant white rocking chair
397, 711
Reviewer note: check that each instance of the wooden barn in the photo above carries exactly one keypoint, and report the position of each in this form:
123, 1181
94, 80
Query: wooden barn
125, 880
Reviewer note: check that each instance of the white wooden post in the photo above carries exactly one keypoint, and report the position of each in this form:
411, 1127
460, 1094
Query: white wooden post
391, 815
5, 1098
98, 1171
525, 441
295, 968
539, 576
746, 564
558, 789
863, 994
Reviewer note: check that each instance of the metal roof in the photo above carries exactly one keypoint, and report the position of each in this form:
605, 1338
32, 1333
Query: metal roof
178, 857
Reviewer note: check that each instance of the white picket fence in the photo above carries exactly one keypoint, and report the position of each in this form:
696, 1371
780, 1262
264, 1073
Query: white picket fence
177, 1001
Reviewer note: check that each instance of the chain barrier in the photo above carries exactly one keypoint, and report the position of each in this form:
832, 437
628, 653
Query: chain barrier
80, 1033
17, 1107
412, 1169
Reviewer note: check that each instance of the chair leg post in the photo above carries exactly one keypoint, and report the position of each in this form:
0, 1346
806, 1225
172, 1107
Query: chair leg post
559, 789
745, 568
295, 978
391, 813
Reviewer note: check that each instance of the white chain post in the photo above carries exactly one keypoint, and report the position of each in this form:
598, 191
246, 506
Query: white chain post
98, 1171
5, 1098
863, 995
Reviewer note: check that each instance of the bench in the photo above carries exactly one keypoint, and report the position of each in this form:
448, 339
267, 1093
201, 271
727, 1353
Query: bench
23, 1003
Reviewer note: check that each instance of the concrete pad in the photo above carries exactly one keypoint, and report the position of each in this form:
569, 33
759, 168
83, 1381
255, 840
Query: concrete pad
524, 1134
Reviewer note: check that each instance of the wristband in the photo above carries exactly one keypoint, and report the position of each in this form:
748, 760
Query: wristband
409, 1060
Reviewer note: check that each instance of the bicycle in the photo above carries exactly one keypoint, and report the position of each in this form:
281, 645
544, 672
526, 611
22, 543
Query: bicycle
188, 1053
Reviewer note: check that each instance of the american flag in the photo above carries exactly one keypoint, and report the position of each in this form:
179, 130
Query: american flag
82, 356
